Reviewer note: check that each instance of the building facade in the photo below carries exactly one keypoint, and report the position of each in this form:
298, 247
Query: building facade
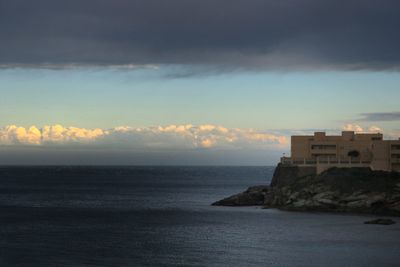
345, 151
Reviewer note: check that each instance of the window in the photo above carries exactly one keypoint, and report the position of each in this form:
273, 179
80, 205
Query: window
323, 147
323, 155
396, 147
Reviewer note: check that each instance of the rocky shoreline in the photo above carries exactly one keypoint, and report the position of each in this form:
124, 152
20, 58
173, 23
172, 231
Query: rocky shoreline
355, 190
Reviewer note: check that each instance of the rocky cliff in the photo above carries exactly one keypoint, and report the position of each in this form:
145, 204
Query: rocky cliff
359, 190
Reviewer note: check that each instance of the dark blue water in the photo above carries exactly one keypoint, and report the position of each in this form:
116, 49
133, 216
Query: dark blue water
161, 216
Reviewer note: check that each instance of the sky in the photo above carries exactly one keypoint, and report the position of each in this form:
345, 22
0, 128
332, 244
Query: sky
190, 82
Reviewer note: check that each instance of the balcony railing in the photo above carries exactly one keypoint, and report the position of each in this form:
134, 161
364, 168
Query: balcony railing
333, 161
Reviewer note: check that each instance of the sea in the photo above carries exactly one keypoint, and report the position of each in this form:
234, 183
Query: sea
162, 216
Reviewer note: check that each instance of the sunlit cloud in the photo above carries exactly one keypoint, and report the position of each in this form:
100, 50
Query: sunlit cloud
393, 134
375, 129
360, 129
187, 136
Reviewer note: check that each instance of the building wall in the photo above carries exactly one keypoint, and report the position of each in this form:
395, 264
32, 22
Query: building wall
373, 151
300, 146
321, 145
395, 155
381, 153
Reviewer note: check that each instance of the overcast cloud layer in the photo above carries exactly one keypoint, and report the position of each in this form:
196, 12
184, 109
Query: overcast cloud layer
227, 34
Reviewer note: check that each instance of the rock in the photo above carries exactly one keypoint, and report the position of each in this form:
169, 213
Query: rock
299, 203
395, 206
323, 195
381, 222
356, 204
253, 196
395, 197
355, 197
376, 199
358, 190
292, 197
284, 176
397, 188
328, 202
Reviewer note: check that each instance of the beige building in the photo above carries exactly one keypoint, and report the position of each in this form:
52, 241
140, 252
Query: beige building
345, 151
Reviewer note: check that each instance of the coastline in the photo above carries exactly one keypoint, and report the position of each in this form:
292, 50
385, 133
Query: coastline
337, 190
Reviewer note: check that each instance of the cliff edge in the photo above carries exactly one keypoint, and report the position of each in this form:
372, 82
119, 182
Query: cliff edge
356, 190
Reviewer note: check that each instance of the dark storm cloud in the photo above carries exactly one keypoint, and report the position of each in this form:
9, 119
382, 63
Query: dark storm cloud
299, 34
384, 116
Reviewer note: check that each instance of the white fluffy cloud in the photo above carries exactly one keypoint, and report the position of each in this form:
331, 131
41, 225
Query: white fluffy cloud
375, 129
13, 135
359, 129
171, 136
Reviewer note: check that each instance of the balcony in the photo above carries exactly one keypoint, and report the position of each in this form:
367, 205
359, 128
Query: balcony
395, 160
297, 161
323, 147
395, 151
323, 150
324, 160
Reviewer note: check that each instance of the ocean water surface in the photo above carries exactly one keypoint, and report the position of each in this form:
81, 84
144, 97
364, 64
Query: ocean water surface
161, 216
